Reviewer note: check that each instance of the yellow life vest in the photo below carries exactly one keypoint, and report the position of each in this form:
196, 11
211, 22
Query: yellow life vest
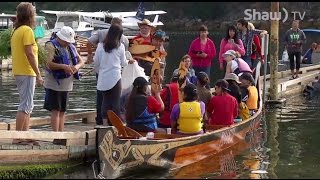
252, 101
244, 111
190, 117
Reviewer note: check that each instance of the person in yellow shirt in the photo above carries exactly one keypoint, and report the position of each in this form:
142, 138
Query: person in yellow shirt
24, 51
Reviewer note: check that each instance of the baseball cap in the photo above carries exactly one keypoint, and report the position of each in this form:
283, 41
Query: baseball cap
231, 53
247, 76
232, 76
160, 35
140, 81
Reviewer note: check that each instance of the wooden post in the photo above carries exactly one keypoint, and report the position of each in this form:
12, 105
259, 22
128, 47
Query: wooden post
274, 49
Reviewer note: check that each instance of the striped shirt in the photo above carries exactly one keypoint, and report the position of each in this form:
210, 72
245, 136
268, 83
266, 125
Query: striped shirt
248, 38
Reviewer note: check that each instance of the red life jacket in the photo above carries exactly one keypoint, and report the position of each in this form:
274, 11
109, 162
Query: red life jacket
171, 98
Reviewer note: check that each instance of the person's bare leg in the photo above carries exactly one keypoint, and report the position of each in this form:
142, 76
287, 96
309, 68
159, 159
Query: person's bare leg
55, 120
61, 121
20, 121
26, 123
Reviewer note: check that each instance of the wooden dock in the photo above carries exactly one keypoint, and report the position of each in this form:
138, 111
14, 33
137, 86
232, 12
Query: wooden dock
77, 142
287, 87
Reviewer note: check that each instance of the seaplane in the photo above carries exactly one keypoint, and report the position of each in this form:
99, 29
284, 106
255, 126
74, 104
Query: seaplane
85, 22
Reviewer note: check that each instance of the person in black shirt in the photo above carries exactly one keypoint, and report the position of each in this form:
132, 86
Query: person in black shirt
234, 82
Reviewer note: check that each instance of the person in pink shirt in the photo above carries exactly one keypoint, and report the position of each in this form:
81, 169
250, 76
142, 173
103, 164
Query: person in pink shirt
222, 108
202, 50
235, 64
230, 42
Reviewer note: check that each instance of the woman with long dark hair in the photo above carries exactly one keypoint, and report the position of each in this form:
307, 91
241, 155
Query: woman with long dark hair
108, 60
230, 42
142, 108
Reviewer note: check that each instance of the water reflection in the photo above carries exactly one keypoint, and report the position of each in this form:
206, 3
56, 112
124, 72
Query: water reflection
272, 142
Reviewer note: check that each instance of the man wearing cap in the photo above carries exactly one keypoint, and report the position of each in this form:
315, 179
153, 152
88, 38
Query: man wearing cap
145, 32
63, 65
158, 38
144, 38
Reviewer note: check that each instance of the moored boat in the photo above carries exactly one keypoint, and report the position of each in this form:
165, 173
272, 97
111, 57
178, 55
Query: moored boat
121, 149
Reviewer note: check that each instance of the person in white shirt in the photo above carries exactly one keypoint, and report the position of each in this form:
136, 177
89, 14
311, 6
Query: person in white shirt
96, 38
108, 60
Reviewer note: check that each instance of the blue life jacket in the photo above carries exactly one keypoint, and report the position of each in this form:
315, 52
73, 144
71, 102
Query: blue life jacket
147, 119
61, 57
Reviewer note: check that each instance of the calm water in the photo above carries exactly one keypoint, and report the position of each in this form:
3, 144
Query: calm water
286, 146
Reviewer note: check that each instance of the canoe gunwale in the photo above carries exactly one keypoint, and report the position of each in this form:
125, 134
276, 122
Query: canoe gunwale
127, 154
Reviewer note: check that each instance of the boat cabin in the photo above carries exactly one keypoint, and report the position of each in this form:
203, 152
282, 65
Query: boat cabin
6, 22
75, 21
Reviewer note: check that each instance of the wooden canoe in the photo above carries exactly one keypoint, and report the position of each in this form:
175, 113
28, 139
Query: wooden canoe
118, 154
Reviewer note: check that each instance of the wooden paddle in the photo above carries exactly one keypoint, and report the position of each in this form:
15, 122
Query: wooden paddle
155, 76
182, 79
123, 130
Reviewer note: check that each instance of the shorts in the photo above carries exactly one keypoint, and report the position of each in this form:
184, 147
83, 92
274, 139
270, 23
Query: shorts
26, 86
55, 100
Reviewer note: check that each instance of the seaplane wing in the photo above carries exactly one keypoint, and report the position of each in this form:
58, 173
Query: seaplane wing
90, 14
133, 13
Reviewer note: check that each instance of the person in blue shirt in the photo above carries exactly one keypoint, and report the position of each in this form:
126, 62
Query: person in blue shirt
307, 57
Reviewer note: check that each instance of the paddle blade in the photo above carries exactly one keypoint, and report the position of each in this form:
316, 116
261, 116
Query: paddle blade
117, 123
132, 133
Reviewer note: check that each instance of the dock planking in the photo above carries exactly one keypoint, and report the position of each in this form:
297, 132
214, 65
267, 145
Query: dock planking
77, 141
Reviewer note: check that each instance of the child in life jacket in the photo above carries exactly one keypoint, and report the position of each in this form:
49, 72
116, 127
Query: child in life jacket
187, 117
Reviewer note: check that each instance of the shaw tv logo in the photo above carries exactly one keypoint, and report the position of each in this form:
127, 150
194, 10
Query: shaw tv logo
253, 14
